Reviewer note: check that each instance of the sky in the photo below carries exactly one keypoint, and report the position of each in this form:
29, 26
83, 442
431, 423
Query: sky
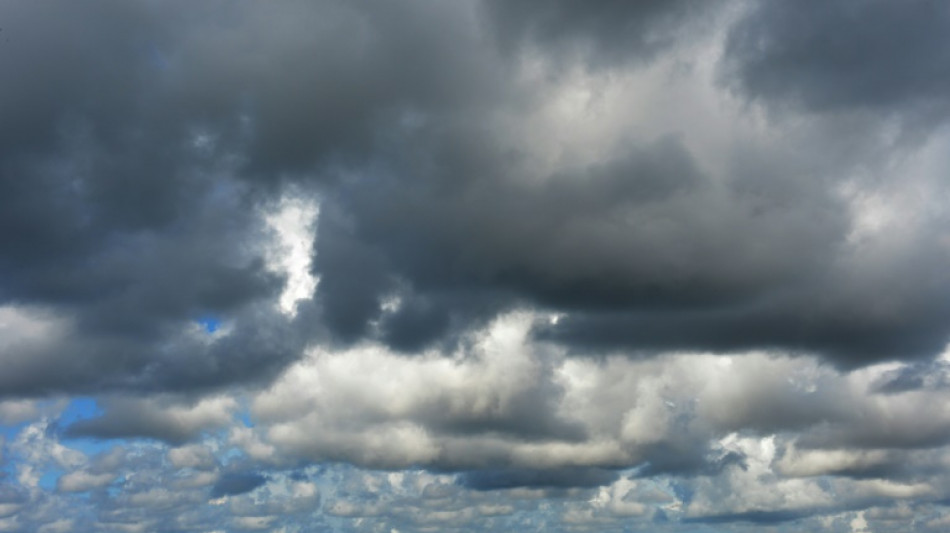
387, 266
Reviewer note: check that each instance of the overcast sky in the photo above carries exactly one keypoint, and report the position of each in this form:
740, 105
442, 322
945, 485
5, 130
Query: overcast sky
475, 265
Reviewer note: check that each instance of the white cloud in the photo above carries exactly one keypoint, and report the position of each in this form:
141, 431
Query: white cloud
293, 223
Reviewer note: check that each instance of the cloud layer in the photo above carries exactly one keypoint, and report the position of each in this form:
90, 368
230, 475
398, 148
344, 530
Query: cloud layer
507, 265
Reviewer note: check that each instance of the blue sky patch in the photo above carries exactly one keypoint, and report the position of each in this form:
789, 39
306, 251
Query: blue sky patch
49, 478
210, 323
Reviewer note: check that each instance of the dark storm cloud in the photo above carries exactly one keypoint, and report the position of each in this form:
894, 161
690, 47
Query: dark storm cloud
139, 143
114, 218
645, 252
597, 238
594, 166
601, 32
760, 262
827, 56
793, 325
77, 359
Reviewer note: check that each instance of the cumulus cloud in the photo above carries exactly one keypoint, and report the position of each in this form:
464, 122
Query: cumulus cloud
697, 416
133, 417
482, 265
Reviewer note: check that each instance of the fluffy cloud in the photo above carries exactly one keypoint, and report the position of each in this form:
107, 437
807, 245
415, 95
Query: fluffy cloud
481, 265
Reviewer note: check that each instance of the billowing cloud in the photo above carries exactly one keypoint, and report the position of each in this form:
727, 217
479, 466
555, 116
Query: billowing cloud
479, 265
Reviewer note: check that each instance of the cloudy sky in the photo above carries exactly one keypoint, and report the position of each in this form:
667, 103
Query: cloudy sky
475, 265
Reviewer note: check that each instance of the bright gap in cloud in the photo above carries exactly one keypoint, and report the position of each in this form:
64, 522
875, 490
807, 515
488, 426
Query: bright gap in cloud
294, 225
21, 327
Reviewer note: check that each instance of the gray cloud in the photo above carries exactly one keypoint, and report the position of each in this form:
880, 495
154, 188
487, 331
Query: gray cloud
132, 184
566, 477
132, 212
598, 33
148, 418
646, 253
574, 264
237, 483
829, 56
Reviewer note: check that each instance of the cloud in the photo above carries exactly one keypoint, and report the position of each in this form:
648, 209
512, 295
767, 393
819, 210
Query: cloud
652, 246
571, 477
829, 56
131, 262
443, 199
80, 481
237, 483
484, 265
689, 415
192, 456
176, 424
603, 33
17, 411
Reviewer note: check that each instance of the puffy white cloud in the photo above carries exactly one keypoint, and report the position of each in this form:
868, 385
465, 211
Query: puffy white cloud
505, 398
